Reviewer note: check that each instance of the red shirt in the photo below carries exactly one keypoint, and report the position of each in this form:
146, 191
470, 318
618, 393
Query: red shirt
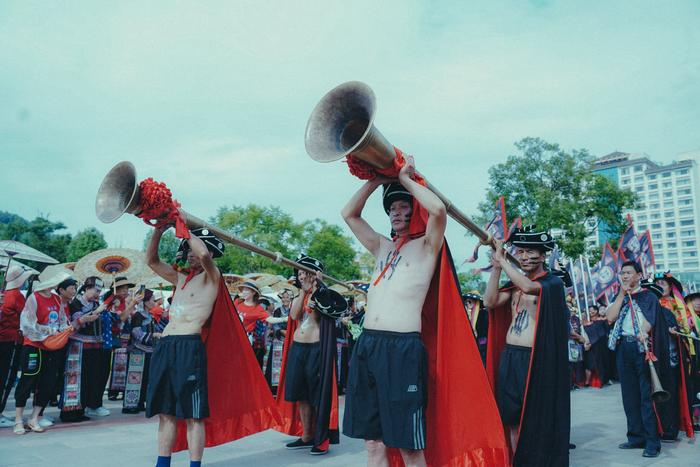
47, 310
9, 321
250, 314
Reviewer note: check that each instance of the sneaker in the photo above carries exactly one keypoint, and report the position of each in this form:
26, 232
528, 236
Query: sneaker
98, 412
318, 451
629, 445
6, 422
45, 422
650, 453
300, 444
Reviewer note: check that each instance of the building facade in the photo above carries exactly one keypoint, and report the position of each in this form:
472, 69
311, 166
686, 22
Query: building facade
669, 208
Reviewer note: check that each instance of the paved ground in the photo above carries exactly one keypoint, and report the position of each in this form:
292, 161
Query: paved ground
129, 440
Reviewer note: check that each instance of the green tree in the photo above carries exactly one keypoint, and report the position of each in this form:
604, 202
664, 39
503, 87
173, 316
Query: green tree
273, 229
84, 242
40, 233
335, 250
555, 189
168, 246
469, 281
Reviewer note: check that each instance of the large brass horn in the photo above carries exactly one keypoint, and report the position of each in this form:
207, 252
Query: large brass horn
658, 393
119, 194
342, 123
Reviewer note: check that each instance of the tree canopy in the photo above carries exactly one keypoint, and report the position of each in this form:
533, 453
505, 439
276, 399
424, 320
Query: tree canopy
85, 242
556, 189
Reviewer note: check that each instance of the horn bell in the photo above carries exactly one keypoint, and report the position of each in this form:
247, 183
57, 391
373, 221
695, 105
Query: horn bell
342, 123
118, 193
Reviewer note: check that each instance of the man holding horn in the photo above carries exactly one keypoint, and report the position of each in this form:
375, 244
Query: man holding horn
204, 341
416, 336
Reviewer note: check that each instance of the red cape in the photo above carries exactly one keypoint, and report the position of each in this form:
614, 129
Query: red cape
289, 411
463, 426
240, 402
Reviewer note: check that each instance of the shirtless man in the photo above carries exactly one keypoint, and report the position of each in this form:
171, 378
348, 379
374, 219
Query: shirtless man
387, 382
177, 387
522, 300
302, 377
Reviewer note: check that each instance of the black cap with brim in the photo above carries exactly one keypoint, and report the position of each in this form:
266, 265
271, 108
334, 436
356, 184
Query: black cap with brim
528, 237
309, 262
330, 303
395, 192
668, 277
691, 296
213, 243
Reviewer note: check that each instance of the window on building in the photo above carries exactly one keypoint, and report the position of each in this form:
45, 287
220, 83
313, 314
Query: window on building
655, 216
655, 226
673, 266
657, 246
654, 206
670, 224
652, 177
625, 170
689, 265
638, 168
685, 202
666, 174
670, 234
638, 179
653, 196
656, 236
683, 172
653, 186
642, 227
673, 254
666, 185
671, 245
642, 217
683, 191
688, 243
669, 195
687, 222
659, 256
668, 213
626, 181
660, 266
683, 181
685, 212
690, 254
687, 233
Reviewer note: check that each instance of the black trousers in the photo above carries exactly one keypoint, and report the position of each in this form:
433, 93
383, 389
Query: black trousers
38, 375
668, 411
10, 356
104, 367
635, 381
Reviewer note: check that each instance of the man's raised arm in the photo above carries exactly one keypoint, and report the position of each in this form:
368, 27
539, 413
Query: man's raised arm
153, 260
200, 250
437, 213
352, 213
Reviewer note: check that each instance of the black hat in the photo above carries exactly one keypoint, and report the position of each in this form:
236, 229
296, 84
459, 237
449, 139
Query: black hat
529, 237
395, 192
473, 295
564, 275
309, 262
668, 277
213, 243
653, 287
91, 283
328, 302
691, 296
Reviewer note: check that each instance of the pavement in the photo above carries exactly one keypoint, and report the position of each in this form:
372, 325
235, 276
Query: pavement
598, 426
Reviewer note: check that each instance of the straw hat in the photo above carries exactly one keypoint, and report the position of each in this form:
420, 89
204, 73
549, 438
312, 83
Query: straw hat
50, 278
16, 276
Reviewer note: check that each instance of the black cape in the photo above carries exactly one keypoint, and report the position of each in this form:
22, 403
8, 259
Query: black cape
546, 420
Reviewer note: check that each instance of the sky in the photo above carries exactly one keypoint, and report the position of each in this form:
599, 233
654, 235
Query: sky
212, 98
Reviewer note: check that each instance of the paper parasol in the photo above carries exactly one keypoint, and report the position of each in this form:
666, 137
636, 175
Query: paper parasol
14, 249
113, 262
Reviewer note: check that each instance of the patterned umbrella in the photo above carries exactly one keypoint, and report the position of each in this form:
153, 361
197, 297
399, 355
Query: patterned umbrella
112, 262
18, 250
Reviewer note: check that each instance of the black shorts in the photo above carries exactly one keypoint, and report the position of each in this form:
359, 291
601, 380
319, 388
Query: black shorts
386, 393
512, 379
302, 375
177, 382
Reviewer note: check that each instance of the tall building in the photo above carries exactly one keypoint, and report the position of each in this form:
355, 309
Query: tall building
670, 207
